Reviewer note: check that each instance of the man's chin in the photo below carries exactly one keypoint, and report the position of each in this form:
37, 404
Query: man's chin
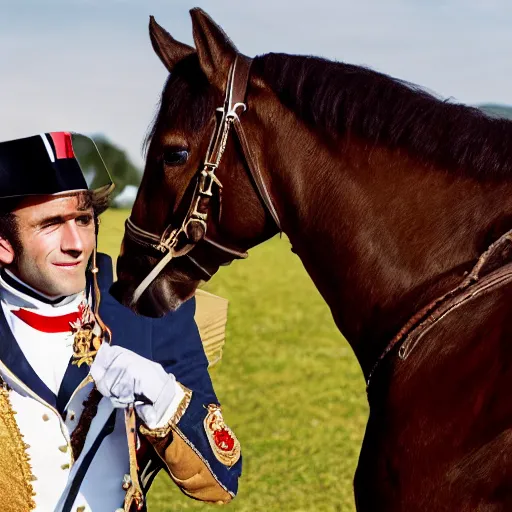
71, 288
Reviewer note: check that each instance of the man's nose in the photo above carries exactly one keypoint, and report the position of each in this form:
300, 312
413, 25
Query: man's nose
71, 238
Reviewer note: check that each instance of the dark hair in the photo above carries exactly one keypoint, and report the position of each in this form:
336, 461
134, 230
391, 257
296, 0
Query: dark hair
98, 200
9, 230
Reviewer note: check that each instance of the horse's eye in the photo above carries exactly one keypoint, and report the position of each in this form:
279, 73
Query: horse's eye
175, 156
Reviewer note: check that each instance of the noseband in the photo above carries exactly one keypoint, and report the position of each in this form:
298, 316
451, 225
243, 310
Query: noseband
177, 242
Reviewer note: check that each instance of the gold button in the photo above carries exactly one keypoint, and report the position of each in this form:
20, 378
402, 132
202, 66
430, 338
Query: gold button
80, 509
63, 448
64, 466
45, 417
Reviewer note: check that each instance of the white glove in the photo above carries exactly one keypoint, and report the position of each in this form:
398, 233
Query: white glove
127, 378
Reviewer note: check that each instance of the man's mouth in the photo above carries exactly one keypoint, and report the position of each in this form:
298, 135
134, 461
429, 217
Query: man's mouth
71, 264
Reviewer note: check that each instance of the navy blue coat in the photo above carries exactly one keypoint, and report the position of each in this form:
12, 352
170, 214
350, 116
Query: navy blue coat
174, 342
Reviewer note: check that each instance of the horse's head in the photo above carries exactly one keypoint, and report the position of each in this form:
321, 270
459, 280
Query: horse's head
175, 220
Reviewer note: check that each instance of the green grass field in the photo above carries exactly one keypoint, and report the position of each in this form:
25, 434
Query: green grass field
289, 383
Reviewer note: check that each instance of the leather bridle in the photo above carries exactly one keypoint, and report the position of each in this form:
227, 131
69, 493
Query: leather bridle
178, 242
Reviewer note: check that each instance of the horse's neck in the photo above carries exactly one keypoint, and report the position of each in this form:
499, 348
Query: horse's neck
380, 234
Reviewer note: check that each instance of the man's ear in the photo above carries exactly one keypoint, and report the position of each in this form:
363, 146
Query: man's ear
6, 252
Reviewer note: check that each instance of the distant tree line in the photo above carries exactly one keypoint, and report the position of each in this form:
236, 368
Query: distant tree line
497, 110
119, 165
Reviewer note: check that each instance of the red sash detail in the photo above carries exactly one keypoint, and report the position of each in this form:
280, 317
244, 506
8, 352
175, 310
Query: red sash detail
47, 323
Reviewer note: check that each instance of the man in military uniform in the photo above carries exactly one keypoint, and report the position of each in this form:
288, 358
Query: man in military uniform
94, 400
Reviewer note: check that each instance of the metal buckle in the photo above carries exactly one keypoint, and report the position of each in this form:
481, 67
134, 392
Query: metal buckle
190, 221
168, 242
207, 180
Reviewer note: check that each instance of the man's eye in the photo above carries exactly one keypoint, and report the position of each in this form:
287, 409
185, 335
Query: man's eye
175, 156
84, 220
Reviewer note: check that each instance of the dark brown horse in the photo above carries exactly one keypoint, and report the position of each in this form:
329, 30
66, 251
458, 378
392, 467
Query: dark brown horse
390, 197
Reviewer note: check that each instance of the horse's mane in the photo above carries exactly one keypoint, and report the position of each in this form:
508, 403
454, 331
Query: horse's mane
345, 99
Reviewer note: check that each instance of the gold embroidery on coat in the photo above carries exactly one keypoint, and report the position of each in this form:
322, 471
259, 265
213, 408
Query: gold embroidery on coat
16, 492
223, 441
180, 411
86, 343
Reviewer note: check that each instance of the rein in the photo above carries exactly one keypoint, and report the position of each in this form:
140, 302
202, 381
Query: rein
178, 242
491, 270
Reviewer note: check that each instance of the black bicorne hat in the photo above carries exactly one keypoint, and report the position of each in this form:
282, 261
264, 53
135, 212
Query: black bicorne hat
50, 164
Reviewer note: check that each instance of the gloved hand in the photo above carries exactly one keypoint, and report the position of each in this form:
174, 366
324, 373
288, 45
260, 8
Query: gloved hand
126, 377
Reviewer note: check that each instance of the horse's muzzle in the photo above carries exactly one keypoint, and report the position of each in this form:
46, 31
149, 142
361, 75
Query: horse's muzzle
165, 294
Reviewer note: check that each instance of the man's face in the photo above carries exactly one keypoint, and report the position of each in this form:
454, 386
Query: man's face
57, 239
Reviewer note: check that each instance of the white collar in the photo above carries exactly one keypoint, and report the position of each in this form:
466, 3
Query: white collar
14, 296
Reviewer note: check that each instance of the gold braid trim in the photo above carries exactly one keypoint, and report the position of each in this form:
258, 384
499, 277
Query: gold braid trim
16, 491
180, 411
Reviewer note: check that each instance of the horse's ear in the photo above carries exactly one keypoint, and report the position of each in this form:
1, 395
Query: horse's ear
166, 47
215, 50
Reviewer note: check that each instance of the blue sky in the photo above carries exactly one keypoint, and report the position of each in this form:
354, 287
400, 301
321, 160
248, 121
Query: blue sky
88, 65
